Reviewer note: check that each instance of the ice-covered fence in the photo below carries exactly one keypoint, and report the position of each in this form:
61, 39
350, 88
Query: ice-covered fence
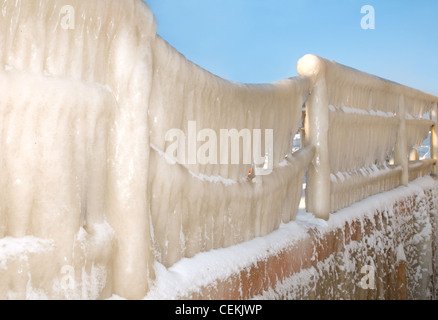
196, 206
90, 95
92, 99
358, 122
75, 136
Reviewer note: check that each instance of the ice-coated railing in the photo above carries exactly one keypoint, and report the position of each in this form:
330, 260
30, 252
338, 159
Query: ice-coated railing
201, 206
86, 123
91, 116
358, 122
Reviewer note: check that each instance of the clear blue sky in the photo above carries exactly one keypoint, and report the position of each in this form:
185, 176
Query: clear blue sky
257, 41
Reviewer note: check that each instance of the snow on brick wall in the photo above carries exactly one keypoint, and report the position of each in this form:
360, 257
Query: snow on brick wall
392, 234
397, 241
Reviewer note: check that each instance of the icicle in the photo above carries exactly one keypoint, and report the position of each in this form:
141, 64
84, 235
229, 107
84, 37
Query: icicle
417, 131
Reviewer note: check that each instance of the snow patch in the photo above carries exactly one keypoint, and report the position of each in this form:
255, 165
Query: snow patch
191, 274
213, 179
18, 248
401, 256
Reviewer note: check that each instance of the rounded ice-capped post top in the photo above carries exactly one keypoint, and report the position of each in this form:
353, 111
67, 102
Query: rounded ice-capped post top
310, 66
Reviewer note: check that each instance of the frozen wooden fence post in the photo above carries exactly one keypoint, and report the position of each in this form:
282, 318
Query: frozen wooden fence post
316, 127
401, 149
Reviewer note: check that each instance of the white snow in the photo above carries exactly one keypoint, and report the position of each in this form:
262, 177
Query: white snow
164, 155
395, 237
284, 163
213, 179
205, 268
18, 248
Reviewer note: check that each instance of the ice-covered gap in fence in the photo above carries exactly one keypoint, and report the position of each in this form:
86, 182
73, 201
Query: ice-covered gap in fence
358, 187
424, 149
383, 199
357, 138
420, 168
417, 131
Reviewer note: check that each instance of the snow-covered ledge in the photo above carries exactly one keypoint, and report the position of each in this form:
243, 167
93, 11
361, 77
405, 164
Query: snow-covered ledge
383, 247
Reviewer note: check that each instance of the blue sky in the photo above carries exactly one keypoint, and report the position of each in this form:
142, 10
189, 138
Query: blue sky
257, 41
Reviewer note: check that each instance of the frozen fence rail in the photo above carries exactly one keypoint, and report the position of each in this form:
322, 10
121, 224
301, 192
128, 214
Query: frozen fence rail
358, 122
83, 130
196, 206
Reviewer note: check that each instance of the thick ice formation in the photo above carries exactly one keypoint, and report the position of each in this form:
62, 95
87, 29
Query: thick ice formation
83, 125
90, 95
358, 122
190, 211
371, 139
417, 131
74, 134
391, 231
